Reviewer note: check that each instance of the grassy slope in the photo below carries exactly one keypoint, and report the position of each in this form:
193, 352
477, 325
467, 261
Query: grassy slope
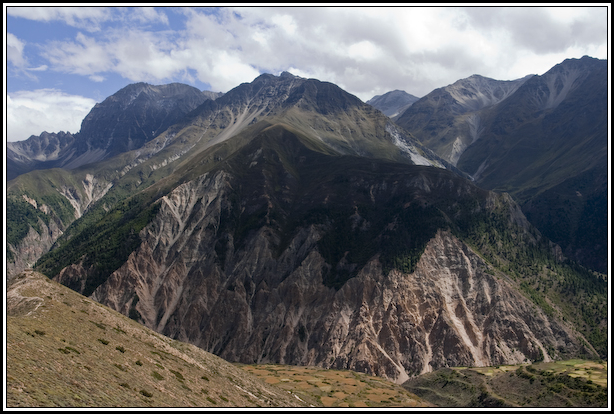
572, 383
336, 388
66, 350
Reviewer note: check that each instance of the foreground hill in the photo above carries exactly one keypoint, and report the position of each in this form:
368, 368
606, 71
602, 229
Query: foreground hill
572, 383
64, 350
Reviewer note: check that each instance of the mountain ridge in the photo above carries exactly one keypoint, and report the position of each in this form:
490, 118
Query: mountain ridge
288, 221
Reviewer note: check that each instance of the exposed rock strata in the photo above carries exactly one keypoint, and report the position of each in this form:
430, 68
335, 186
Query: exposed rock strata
252, 305
33, 246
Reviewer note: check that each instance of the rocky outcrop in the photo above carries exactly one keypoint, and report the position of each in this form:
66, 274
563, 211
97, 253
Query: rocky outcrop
32, 246
248, 302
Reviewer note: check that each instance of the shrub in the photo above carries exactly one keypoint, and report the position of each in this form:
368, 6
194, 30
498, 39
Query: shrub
146, 393
103, 341
139, 363
157, 375
120, 348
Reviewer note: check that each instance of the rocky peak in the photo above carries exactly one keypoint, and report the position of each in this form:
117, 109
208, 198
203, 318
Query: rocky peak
393, 103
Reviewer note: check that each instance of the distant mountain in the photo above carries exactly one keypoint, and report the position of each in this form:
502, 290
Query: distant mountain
122, 122
38, 152
543, 139
289, 222
393, 103
448, 120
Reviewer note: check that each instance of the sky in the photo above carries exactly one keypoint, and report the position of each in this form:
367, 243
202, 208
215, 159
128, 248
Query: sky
61, 61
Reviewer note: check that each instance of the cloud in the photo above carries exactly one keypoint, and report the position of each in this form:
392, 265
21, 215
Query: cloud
32, 112
367, 51
148, 15
87, 18
14, 51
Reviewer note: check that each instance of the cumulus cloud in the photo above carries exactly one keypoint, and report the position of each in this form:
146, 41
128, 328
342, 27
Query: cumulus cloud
367, 51
32, 112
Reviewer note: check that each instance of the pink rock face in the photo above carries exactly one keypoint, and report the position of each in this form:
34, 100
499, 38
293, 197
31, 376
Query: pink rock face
255, 306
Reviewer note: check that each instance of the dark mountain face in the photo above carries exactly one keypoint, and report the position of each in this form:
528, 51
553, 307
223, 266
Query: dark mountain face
393, 103
124, 121
547, 145
135, 115
289, 222
543, 139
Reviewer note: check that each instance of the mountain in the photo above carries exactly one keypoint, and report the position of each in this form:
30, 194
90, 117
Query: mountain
87, 355
448, 120
122, 122
37, 152
544, 141
289, 222
393, 103
339, 122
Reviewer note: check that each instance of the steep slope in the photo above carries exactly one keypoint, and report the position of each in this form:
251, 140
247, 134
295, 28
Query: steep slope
84, 354
448, 120
340, 122
547, 145
393, 103
542, 138
122, 122
288, 255
289, 222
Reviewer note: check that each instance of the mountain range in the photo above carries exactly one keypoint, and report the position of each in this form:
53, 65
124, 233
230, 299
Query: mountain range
543, 139
286, 221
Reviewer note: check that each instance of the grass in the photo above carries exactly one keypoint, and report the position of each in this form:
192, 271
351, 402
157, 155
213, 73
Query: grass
56, 358
336, 388
571, 383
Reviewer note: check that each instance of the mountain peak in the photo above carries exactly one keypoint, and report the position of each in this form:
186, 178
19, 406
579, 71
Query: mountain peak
286, 74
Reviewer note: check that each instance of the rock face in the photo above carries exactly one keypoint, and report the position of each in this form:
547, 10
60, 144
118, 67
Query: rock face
31, 247
38, 152
248, 303
256, 271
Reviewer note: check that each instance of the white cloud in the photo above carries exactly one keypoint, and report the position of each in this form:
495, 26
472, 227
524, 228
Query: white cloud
367, 51
32, 112
87, 18
14, 51
148, 15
